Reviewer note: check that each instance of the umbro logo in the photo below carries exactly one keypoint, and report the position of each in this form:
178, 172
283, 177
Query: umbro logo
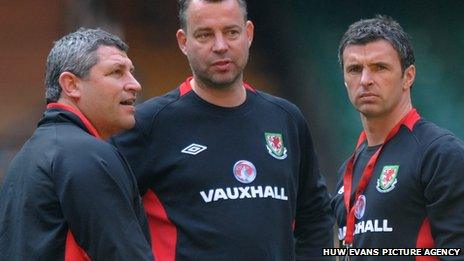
194, 149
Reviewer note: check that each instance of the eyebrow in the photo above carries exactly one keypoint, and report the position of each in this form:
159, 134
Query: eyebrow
380, 63
202, 29
356, 64
232, 27
123, 65
352, 65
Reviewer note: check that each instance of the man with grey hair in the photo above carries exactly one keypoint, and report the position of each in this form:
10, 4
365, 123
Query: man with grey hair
68, 194
403, 186
227, 172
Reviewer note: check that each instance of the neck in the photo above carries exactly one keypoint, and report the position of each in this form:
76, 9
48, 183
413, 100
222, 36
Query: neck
90, 126
377, 128
68, 103
230, 96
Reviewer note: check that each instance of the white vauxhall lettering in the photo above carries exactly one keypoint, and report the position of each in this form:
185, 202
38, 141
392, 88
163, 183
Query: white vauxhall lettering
268, 192
230, 195
367, 226
385, 226
282, 194
243, 192
376, 226
219, 194
276, 193
256, 191
205, 197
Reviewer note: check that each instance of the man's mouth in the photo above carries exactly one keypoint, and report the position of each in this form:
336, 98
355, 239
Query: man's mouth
130, 102
221, 62
367, 95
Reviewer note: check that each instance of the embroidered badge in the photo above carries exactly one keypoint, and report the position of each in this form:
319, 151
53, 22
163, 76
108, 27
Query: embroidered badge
244, 171
360, 206
387, 179
275, 145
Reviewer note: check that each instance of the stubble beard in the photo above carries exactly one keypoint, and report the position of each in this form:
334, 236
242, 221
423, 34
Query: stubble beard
210, 82
209, 79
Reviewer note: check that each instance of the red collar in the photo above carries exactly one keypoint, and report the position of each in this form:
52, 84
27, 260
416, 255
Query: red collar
186, 87
93, 131
409, 120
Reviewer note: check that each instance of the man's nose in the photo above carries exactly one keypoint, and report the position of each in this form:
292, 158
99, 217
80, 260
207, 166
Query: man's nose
220, 44
366, 78
133, 84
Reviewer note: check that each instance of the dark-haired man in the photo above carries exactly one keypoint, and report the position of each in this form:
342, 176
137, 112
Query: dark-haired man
403, 187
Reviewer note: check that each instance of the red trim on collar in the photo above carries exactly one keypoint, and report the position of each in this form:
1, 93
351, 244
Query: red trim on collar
361, 139
411, 118
248, 87
79, 114
185, 87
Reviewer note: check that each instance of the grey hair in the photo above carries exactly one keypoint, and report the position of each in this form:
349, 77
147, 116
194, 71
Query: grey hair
184, 5
75, 53
380, 27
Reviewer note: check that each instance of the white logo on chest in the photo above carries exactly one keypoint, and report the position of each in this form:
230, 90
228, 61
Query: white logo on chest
194, 149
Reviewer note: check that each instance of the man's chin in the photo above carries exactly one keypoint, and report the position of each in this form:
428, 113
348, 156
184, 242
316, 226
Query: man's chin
370, 112
128, 123
220, 85
221, 81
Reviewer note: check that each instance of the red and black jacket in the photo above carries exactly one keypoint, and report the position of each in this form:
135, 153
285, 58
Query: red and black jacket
69, 195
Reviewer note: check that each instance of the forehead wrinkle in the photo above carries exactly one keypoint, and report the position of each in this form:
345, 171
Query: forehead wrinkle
116, 59
368, 54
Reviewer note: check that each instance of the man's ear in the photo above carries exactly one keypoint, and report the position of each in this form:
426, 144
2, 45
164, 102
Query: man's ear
409, 75
182, 40
69, 83
250, 32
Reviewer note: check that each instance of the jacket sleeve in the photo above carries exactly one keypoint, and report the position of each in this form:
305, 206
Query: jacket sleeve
314, 220
100, 201
442, 172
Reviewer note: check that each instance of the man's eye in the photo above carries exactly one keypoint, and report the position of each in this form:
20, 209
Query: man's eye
232, 33
354, 69
116, 72
203, 36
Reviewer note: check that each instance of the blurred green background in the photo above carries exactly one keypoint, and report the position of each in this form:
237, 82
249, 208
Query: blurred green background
294, 55
303, 51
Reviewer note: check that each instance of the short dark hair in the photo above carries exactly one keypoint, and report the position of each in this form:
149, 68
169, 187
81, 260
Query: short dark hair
184, 5
75, 53
380, 27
